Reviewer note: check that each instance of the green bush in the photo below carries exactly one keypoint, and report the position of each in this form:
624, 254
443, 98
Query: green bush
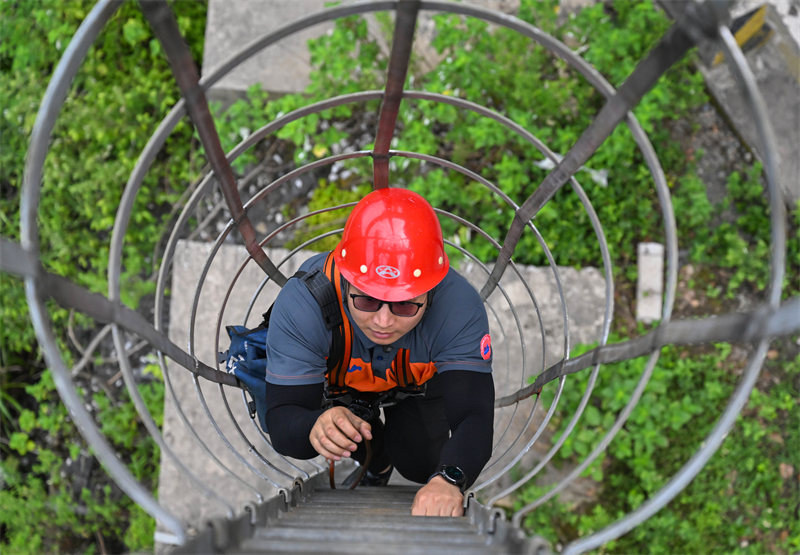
55, 498
741, 247
120, 93
743, 501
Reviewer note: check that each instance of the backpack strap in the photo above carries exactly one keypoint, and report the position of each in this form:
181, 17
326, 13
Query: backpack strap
341, 334
326, 297
326, 288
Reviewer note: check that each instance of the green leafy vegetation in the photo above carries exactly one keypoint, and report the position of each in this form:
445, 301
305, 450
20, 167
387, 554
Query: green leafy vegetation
54, 496
739, 248
744, 501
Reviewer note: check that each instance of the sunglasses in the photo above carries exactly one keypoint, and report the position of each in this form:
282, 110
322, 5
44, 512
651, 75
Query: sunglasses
365, 303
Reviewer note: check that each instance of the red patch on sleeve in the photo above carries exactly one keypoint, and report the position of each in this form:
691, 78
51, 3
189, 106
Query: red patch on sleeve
486, 347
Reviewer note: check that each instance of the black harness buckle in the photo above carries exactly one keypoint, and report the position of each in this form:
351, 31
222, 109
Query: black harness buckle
366, 405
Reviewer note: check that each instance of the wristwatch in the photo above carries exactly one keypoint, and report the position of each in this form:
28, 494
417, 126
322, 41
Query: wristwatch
452, 474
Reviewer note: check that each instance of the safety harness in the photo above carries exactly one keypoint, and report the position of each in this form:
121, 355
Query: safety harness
326, 287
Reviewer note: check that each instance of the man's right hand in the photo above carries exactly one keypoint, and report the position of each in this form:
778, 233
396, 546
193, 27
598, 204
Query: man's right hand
337, 432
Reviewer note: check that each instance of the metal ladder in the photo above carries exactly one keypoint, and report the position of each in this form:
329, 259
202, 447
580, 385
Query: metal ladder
313, 518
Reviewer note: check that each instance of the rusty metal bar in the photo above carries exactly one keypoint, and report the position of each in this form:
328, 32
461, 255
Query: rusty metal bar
162, 20
402, 42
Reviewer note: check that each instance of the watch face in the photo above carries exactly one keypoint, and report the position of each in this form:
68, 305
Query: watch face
453, 474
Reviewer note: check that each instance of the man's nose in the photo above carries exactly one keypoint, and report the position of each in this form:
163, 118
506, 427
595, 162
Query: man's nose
383, 317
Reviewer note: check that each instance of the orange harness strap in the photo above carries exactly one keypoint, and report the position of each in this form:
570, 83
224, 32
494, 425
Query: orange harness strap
342, 346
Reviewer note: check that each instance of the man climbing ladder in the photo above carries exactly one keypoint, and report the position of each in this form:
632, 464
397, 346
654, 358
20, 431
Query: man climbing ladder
419, 348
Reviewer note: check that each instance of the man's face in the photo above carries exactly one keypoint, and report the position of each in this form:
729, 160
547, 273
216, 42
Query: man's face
383, 327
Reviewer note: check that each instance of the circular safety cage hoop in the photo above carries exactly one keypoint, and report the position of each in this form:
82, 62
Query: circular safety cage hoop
531, 330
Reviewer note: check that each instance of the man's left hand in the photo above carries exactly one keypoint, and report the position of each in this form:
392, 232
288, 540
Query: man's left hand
438, 498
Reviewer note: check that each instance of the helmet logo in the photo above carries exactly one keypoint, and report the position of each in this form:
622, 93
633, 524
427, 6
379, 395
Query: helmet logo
387, 272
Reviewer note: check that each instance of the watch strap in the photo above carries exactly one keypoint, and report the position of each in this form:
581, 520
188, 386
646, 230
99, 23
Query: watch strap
452, 475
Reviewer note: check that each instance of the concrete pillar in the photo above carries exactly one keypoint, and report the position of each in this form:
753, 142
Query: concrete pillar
650, 282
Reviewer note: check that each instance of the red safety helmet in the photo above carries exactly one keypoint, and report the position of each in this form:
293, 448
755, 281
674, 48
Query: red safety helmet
392, 247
